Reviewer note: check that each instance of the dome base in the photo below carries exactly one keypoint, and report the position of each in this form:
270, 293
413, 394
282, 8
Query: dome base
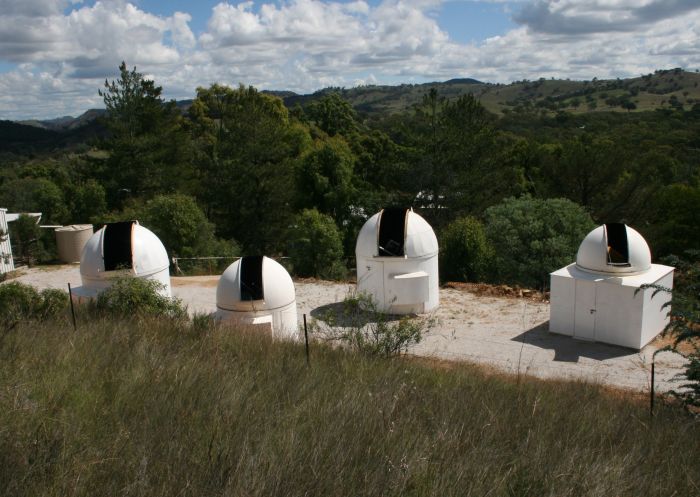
280, 323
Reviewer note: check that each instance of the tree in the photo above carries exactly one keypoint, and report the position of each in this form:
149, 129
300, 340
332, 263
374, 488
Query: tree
35, 195
25, 236
454, 148
149, 149
628, 105
533, 237
583, 169
89, 202
315, 246
324, 179
675, 227
182, 227
333, 114
247, 149
132, 103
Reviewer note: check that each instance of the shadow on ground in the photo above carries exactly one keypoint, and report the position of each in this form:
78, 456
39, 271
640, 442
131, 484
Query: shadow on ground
568, 349
340, 314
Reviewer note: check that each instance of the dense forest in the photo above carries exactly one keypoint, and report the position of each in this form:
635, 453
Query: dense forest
510, 186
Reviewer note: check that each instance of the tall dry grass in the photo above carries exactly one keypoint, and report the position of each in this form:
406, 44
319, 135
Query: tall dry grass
163, 409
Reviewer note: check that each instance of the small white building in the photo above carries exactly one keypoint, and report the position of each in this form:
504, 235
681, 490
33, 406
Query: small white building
257, 290
122, 249
397, 262
598, 298
7, 263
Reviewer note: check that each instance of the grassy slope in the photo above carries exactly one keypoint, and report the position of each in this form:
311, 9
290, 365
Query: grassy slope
157, 409
647, 93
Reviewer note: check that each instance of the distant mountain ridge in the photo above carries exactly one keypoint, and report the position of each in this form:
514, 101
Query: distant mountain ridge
673, 88
65, 123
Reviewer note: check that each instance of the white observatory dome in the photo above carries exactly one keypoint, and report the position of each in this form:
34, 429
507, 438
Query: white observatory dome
614, 248
258, 290
397, 262
124, 248
608, 295
419, 239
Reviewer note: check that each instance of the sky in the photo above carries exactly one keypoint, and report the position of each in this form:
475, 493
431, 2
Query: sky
56, 54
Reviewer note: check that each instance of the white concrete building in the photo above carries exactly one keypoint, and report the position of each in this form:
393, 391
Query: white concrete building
7, 263
257, 290
599, 297
397, 262
122, 249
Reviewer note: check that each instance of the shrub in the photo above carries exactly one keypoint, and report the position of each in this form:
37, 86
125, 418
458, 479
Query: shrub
684, 326
27, 243
316, 247
20, 302
138, 297
465, 251
532, 237
204, 322
362, 327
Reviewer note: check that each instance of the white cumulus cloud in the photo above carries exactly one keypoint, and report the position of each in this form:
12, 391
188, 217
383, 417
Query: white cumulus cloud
63, 54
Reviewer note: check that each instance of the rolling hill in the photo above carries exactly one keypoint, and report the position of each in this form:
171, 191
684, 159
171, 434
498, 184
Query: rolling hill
673, 88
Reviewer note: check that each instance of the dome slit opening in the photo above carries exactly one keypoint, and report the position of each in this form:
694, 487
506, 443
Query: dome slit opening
117, 246
618, 246
252, 278
392, 232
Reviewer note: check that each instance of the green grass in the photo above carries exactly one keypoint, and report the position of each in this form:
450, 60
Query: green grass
162, 409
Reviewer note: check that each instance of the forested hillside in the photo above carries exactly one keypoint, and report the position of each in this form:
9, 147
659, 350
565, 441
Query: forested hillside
239, 170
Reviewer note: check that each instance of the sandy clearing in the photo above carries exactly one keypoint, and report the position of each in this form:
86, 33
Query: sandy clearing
507, 333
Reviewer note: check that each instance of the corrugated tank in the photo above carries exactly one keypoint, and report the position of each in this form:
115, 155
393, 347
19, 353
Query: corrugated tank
70, 241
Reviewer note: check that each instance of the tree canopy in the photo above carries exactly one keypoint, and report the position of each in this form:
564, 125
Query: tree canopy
518, 189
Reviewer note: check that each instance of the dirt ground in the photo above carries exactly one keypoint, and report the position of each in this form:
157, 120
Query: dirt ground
496, 327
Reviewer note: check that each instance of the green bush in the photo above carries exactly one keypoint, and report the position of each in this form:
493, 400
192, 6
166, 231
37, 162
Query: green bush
20, 302
316, 246
364, 328
137, 297
532, 237
465, 252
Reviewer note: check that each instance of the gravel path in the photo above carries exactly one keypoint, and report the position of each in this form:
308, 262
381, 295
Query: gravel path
509, 334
